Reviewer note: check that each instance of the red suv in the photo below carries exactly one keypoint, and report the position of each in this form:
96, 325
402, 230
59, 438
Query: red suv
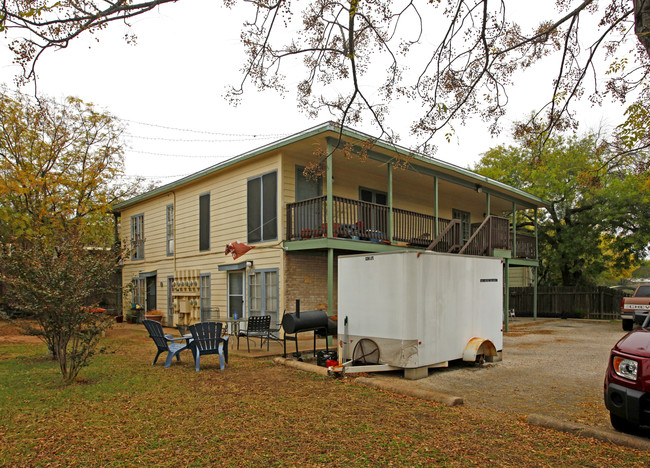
627, 382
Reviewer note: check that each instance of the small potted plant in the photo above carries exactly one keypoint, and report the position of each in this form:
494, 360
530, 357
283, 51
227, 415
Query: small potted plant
154, 315
133, 314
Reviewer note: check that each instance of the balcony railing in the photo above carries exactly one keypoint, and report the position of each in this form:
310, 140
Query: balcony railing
491, 234
362, 220
526, 246
359, 220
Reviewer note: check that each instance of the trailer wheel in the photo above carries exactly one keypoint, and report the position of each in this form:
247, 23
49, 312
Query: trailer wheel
477, 349
365, 352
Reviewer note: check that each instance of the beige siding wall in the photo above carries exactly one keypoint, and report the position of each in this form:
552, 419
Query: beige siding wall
521, 277
228, 221
155, 253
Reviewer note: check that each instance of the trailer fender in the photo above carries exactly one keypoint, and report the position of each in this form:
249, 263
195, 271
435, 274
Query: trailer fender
477, 347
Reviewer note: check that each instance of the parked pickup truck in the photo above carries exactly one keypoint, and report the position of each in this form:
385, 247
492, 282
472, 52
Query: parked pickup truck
627, 380
639, 301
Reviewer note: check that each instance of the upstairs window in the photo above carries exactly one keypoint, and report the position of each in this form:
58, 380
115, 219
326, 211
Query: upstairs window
169, 223
204, 222
262, 208
137, 237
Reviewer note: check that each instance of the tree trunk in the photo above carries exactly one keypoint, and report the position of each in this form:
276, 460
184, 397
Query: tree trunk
642, 22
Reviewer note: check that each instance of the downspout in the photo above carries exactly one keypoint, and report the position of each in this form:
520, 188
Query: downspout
117, 246
170, 294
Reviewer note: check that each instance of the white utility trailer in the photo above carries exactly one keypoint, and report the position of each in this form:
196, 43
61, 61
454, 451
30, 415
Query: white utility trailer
415, 310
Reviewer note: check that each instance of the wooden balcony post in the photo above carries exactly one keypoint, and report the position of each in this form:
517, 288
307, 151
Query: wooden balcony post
435, 205
506, 298
536, 238
329, 208
535, 270
390, 202
514, 230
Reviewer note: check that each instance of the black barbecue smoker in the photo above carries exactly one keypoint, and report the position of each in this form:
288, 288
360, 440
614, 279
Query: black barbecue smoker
310, 320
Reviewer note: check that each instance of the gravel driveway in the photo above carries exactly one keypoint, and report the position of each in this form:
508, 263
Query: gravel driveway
550, 367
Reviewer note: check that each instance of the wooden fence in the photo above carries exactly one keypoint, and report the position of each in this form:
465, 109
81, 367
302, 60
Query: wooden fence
568, 302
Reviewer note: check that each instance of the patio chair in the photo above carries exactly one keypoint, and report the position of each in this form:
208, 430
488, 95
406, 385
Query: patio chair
164, 342
257, 326
207, 339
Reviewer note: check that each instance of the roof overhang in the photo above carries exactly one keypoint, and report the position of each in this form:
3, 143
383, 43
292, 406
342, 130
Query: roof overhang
382, 151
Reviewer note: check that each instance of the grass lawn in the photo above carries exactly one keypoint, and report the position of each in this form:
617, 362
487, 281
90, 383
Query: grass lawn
124, 412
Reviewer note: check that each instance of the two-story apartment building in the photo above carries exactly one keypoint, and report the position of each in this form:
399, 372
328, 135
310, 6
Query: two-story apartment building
298, 226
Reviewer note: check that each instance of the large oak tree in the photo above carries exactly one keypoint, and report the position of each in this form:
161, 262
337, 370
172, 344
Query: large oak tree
598, 219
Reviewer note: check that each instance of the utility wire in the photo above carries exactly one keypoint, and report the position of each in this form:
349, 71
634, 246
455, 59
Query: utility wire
205, 132
130, 176
183, 140
153, 153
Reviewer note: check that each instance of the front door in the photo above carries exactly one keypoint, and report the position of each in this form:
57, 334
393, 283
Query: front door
308, 218
204, 292
236, 294
151, 293
374, 219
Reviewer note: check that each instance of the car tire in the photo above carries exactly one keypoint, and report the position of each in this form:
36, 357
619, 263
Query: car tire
621, 424
628, 324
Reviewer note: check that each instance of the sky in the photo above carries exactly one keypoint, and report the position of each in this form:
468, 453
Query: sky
169, 91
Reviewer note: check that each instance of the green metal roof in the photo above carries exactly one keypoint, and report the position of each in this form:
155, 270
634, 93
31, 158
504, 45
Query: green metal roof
432, 163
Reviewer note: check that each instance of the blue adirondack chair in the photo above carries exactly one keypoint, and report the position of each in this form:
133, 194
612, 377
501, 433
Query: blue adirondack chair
207, 339
165, 342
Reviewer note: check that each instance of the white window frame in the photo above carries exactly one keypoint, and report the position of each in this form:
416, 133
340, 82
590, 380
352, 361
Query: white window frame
269, 294
262, 224
169, 229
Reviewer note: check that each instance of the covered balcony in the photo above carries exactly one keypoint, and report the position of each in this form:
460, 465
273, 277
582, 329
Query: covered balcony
362, 221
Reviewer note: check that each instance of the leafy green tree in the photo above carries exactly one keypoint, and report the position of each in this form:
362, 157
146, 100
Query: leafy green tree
643, 271
59, 169
598, 218
59, 284
59, 174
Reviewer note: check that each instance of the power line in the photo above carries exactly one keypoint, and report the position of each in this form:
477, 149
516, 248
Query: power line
183, 140
152, 153
130, 176
205, 132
